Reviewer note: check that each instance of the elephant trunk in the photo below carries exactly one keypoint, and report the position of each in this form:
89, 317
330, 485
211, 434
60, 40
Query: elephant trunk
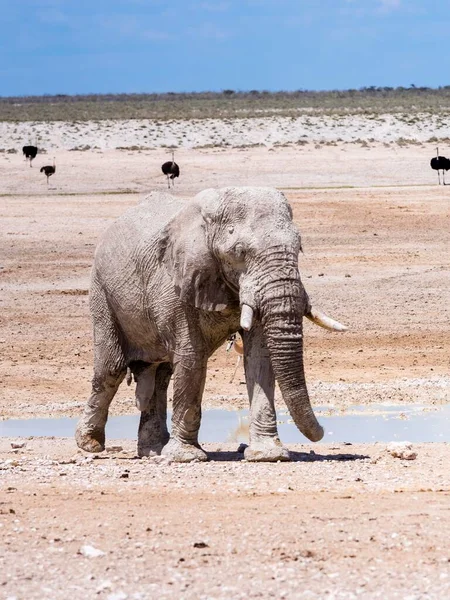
281, 310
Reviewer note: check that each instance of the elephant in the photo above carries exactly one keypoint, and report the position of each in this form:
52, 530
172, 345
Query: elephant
172, 279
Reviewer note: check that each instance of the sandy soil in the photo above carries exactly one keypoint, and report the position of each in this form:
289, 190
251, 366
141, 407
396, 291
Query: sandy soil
375, 258
376, 240
344, 522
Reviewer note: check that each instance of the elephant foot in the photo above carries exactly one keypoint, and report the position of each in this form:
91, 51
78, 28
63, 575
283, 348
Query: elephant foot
90, 441
151, 445
269, 450
183, 453
153, 450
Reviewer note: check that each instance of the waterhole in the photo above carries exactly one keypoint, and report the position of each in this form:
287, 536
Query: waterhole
363, 424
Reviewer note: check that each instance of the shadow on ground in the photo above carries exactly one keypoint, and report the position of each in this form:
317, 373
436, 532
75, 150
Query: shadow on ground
295, 456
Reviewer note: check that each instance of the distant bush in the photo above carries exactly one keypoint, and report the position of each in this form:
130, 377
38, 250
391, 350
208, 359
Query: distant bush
371, 101
80, 148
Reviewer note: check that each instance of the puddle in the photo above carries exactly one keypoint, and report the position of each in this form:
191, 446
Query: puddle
357, 424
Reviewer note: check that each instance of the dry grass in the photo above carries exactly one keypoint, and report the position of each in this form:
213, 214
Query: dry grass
227, 104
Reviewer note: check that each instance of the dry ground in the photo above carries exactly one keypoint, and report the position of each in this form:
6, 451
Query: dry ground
345, 522
376, 258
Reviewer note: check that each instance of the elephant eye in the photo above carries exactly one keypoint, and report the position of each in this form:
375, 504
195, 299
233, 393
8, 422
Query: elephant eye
238, 250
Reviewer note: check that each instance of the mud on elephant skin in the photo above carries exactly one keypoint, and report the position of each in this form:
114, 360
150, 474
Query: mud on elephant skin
171, 280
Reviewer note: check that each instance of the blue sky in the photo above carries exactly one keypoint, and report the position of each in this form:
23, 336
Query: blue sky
100, 46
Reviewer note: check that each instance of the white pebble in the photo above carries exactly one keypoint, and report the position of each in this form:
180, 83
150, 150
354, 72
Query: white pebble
117, 596
401, 450
91, 552
16, 445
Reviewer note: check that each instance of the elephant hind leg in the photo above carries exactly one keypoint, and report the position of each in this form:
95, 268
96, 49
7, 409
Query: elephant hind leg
109, 372
153, 434
90, 432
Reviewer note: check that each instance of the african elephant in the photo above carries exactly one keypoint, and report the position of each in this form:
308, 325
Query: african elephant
171, 281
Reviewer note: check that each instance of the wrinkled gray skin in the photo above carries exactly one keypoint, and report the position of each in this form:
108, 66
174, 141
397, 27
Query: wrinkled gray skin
168, 283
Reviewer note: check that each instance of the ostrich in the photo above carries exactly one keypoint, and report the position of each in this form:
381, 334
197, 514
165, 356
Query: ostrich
440, 163
49, 170
29, 152
171, 170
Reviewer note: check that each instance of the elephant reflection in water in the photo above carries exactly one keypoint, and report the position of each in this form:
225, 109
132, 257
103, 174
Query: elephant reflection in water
171, 281
241, 431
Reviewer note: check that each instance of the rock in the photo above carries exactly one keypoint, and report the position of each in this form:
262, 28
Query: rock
111, 449
91, 552
105, 584
402, 450
160, 460
200, 545
17, 445
117, 596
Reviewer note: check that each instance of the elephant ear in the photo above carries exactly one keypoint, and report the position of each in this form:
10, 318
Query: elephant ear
195, 272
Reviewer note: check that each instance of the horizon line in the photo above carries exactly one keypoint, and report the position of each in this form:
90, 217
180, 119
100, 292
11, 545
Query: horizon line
232, 92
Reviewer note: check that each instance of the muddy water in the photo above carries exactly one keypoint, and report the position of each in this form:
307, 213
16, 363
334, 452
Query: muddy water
357, 424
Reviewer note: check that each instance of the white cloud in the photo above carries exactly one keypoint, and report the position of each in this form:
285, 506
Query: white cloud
157, 36
214, 6
388, 5
209, 31
133, 27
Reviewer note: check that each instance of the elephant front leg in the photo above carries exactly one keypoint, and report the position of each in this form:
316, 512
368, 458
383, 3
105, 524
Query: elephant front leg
188, 386
265, 444
153, 434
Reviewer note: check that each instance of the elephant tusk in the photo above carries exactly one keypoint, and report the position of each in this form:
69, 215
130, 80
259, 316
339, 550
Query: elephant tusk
246, 317
321, 319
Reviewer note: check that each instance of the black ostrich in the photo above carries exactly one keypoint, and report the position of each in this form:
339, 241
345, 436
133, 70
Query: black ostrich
48, 170
29, 152
440, 163
171, 170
